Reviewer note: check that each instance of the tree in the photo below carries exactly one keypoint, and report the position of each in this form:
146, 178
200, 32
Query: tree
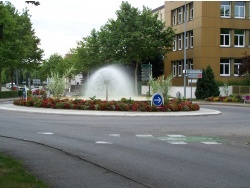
19, 48
36, 3
245, 65
207, 86
135, 36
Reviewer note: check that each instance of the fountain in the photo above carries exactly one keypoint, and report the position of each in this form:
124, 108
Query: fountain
110, 81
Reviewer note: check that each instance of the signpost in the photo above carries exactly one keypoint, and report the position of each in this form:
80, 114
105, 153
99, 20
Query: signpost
194, 74
157, 99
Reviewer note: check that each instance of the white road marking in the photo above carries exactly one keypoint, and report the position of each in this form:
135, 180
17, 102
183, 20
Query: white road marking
115, 135
176, 136
177, 142
102, 142
168, 138
144, 135
211, 143
47, 133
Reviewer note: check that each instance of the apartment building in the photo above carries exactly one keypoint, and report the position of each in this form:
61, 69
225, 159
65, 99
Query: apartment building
215, 33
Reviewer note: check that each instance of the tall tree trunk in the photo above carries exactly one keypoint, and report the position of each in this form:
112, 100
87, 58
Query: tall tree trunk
136, 79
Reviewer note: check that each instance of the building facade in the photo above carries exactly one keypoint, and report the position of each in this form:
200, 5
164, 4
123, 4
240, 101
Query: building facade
215, 33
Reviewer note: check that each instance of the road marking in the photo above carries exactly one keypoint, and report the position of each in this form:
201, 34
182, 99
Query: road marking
144, 135
176, 135
211, 143
47, 133
115, 135
168, 139
172, 142
102, 142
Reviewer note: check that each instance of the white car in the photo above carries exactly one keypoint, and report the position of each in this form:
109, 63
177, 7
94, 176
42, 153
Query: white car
8, 85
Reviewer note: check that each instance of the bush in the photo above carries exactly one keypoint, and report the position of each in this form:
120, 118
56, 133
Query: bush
207, 86
10, 94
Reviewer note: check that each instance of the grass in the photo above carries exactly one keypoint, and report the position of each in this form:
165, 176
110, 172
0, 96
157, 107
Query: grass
13, 175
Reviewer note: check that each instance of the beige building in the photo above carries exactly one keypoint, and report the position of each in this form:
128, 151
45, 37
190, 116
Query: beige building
217, 33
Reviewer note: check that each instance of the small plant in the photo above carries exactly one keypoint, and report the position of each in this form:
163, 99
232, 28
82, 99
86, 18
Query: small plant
161, 85
225, 88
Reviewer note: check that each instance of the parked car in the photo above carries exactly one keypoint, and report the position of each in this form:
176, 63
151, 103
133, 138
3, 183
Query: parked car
8, 85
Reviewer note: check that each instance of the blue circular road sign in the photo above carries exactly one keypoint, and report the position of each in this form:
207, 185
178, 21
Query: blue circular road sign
157, 99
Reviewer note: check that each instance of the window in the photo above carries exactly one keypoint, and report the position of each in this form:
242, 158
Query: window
225, 9
190, 65
239, 9
191, 10
224, 37
179, 15
239, 38
179, 41
191, 39
237, 64
174, 12
174, 69
174, 44
225, 67
249, 10
179, 68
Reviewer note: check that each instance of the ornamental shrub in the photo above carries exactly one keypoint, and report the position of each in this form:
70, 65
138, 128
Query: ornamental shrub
207, 86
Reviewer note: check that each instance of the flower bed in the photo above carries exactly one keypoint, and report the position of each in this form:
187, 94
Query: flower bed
123, 105
231, 98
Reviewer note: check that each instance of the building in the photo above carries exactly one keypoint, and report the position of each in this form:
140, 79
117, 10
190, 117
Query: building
217, 33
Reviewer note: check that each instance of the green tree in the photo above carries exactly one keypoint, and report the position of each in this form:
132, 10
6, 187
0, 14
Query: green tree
245, 65
19, 48
135, 36
207, 86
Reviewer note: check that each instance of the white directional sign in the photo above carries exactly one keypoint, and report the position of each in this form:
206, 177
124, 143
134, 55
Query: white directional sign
194, 73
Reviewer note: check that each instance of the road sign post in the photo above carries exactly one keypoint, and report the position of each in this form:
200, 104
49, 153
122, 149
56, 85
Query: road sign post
157, 99
194, 74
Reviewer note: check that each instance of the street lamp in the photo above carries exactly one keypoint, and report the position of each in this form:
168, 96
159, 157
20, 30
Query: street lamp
185, 55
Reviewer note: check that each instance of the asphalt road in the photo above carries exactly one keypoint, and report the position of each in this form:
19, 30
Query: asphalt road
84, 151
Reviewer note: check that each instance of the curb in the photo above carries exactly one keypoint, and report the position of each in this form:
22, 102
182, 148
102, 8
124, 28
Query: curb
201, 112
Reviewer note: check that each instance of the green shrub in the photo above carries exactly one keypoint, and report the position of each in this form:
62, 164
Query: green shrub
10, 94
207, 86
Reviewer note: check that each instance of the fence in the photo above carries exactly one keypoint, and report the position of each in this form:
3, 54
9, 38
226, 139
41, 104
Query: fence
241, 90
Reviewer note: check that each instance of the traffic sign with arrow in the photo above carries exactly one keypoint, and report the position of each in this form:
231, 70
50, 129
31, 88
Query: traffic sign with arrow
157, 99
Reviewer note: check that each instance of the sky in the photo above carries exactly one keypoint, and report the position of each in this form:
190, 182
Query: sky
60, 24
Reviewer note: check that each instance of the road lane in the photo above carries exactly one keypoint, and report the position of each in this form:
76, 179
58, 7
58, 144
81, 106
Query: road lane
131, 146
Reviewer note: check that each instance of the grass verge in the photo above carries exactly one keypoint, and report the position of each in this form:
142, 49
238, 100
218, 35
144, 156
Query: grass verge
13, 175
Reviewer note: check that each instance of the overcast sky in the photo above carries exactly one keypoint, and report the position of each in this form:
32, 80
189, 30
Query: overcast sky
60, 24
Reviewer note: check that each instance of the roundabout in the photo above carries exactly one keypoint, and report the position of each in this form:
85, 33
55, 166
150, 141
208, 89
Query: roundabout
201, 112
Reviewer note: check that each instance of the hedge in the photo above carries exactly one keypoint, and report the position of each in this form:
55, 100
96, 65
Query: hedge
10, 94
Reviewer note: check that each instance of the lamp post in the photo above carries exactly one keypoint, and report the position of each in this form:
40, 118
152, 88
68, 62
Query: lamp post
185, 58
